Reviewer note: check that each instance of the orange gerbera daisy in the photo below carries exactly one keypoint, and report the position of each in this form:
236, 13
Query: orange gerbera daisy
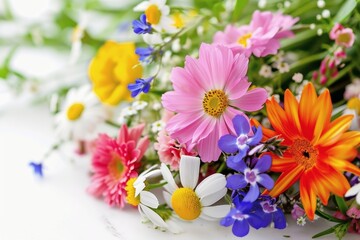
318, 152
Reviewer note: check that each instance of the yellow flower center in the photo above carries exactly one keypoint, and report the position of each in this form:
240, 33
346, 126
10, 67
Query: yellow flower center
243, 39
215, 102
74, 111
130, 193
304, 153
344, 38
186, 203
77, 34
354, 104
178, 20
153, 14
116, 167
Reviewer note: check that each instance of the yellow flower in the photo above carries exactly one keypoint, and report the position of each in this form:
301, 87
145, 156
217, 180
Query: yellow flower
112, 69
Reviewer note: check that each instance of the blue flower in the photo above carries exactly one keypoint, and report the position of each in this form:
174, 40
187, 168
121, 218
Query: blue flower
140, 85
241, 216
145, 54
272, 213
250, 176
242, 142
37, 168
141, 26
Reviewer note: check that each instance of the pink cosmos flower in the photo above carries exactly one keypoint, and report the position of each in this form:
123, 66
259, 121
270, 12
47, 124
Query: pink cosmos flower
208, 93
115, 161
344, 37
261, 37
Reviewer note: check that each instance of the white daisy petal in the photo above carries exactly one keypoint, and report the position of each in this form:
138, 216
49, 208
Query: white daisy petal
167, 198
171, 185
353, 190
216, 211
139, 187
153, 217
211, 185
358, 198
149, 199
173, 226
206, 217
213, 198
189, 171
142, 6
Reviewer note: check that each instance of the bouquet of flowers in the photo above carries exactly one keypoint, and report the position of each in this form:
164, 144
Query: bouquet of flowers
234, 111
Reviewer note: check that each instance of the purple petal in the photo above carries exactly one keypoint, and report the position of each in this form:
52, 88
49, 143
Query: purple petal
256, 138
258, 222
279, 219
236, 163
253, 193
241, 125
240, 228
235, 182
263, 164
227, 144
266, 181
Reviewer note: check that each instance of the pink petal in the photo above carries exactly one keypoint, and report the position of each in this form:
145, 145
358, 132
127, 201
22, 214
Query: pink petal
252, 100
203, 130
208, 147
188, 103
193, 67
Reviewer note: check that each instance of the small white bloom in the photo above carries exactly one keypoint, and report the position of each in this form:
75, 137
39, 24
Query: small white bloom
175, 46
157, 126
262, 3
80, 115
354, 191
301, 221
129, 111
200, 30
139, 105
298, 77
152, 39
269, 90
157, 106
287, 4
321, 3
283, 67
325, 13
318, 17
265, 71
319, 32
77, 35
312, 26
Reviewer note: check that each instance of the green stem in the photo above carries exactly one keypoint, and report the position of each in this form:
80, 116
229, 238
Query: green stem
111, 123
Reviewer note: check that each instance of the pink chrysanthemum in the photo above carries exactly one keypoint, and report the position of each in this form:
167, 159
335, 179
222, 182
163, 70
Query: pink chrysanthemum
114, 162
261, 37
208, 93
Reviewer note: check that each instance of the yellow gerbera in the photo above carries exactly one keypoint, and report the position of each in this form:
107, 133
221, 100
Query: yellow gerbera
319, 150
112, 69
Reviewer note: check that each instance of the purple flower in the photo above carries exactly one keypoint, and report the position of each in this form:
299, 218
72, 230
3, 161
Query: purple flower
141, 26
145, 53
297, 212
140, 85
242, 141
37, 168
272, 213
251, 176
241, 216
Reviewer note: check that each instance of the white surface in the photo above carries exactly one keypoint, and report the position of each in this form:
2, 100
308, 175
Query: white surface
58, 207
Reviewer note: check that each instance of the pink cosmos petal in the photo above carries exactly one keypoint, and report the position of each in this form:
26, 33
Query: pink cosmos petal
252, 100
237, 83
207, 153
178, 77
195, 70
203, 130
189, 103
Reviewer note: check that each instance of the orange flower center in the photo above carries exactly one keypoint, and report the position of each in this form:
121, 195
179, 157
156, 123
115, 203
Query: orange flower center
304, 153
153, 14
215, 102
116, 167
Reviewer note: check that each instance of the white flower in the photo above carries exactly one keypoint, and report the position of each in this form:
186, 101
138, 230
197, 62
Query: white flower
283, 67
139, 105
147, 202
157, 106
188, 202
319, 32
298, 77
157, 14
262, 3
312, 26
80, 115
325, 13
157, 126
128, 111
354, 190
77, 35
321, 3
301, 221
153, 39
265, 71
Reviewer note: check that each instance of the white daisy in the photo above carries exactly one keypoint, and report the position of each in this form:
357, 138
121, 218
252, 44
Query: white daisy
77, 35
157, 14
354, 190
80, 115
139, 105
129, 111
157, 126
265, 71
147, 202
189, 202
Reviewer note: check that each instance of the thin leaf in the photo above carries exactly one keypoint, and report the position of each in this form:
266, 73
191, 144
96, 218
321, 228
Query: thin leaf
326, 232
341, 204
328, 217
345, 11
238, 9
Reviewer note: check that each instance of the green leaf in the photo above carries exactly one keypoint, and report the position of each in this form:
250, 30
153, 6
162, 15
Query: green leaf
329, 217
341, 230
341, 204
326, 232
238, 9
344, 11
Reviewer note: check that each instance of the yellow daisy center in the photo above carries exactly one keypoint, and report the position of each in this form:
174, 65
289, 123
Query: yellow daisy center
116, 167
243, 39
130, 193
153, 14
215, 102
74, 111
354, 104
304, 153
186, 203
178, 20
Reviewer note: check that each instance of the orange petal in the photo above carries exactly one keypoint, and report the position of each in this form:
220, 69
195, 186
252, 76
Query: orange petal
286, 180
351, 138
322, 114
306, 110
334, 180
308, 197
281, 164
320, 185
267, 133
343, 165
335, 130
291, 107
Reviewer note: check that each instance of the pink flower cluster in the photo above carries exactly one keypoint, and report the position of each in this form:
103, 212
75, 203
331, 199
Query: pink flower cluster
114, 162
344, 37
261, 37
